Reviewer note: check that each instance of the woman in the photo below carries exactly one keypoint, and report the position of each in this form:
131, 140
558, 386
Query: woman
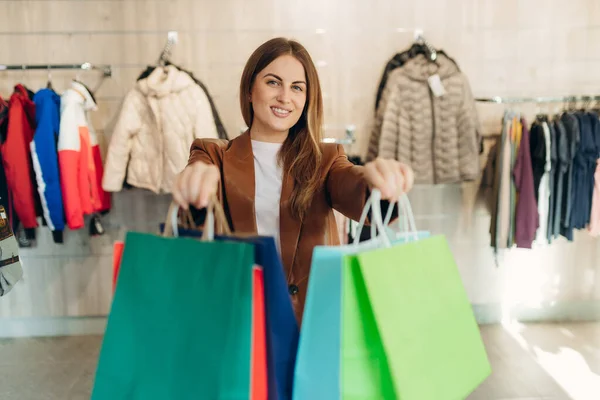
278, 179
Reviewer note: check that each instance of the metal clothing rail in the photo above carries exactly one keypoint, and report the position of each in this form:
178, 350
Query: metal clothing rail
105, 69
513, 100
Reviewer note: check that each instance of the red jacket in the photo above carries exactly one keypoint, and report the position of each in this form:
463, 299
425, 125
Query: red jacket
16, 156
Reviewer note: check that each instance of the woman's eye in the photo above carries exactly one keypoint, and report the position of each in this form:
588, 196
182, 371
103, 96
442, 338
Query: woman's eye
297, 88
272, 83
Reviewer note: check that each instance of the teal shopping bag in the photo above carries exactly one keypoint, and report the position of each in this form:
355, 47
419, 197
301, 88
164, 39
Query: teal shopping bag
180, 323
408, 329
317, 373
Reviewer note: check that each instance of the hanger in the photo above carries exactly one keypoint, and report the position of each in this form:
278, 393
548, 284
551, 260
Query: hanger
49, 83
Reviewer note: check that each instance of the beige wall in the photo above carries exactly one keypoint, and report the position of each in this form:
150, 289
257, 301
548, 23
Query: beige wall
506, 47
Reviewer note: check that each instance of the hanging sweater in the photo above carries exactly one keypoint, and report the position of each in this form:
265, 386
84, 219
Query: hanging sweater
544, 189
437, 136
526, 217
45, 160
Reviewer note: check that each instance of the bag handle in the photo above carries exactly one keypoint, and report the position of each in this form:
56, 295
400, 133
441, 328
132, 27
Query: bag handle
405, 213
214, 213
373, 204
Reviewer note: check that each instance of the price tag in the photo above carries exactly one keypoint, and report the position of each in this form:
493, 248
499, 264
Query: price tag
436, 85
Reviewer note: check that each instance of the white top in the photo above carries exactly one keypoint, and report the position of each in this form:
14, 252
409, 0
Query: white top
268, 178
544, 190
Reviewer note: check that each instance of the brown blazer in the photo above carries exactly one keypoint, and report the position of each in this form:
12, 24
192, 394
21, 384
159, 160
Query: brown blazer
344, 189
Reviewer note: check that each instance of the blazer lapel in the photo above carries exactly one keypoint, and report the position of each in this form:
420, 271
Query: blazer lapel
289, 227
238, 178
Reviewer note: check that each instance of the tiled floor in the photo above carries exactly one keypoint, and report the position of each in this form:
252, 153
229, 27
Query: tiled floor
550, 362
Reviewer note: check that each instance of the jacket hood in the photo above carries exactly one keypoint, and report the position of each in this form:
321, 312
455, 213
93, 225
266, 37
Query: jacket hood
23, 96
80, 94
420, 68
164, 81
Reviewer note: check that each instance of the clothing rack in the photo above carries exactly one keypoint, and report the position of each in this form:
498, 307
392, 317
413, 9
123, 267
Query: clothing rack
105, 69
514, 100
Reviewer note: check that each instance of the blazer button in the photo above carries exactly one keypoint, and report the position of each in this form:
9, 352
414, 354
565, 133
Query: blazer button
293, 289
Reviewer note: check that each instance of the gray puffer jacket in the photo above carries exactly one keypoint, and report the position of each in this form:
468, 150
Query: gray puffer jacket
437, 136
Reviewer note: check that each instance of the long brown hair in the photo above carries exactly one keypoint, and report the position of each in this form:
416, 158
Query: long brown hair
300, 154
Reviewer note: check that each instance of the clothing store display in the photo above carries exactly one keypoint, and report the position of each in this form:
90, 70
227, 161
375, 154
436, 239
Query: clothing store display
435, 133
159, 119
268, 178
345, 190
16, 157
79, 157
556, 176
45, 160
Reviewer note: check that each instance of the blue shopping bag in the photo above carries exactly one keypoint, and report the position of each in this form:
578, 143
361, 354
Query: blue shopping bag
282, 327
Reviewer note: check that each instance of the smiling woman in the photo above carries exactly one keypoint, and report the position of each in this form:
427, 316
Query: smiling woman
278, 179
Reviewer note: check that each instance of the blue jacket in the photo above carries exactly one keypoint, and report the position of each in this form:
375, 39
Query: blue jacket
45, 160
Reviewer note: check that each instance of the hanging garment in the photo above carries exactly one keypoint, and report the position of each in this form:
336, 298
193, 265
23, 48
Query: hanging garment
397, 62
79, 157
16, 158
44, 155
517, 132
537, 147
437, 135
217, 118
544, 188
562, 167
583, 171
5, 199
526, 215
159, 120
504, 204
552, 178
573, 136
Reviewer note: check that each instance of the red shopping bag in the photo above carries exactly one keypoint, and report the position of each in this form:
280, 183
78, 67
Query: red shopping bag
117, 255
259, 338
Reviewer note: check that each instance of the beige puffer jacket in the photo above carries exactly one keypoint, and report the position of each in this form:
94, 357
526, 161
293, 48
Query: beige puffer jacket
437, 136
159, 120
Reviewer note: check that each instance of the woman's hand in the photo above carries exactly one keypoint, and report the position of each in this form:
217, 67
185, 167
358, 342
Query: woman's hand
391, 177
196, 184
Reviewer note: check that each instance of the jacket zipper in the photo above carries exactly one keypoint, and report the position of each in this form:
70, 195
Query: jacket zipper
433, 135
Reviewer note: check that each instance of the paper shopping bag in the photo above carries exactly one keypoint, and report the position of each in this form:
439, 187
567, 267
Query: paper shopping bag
408, 329
282, 327
11, 270
317, 373
180, 322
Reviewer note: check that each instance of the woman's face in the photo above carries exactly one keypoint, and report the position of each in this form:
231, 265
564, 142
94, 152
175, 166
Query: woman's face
278, 96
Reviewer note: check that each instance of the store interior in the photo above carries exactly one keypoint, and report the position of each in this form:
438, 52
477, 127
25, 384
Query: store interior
538, 307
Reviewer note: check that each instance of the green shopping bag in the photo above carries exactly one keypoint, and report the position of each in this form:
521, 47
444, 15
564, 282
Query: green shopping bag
408, 330
180, 323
